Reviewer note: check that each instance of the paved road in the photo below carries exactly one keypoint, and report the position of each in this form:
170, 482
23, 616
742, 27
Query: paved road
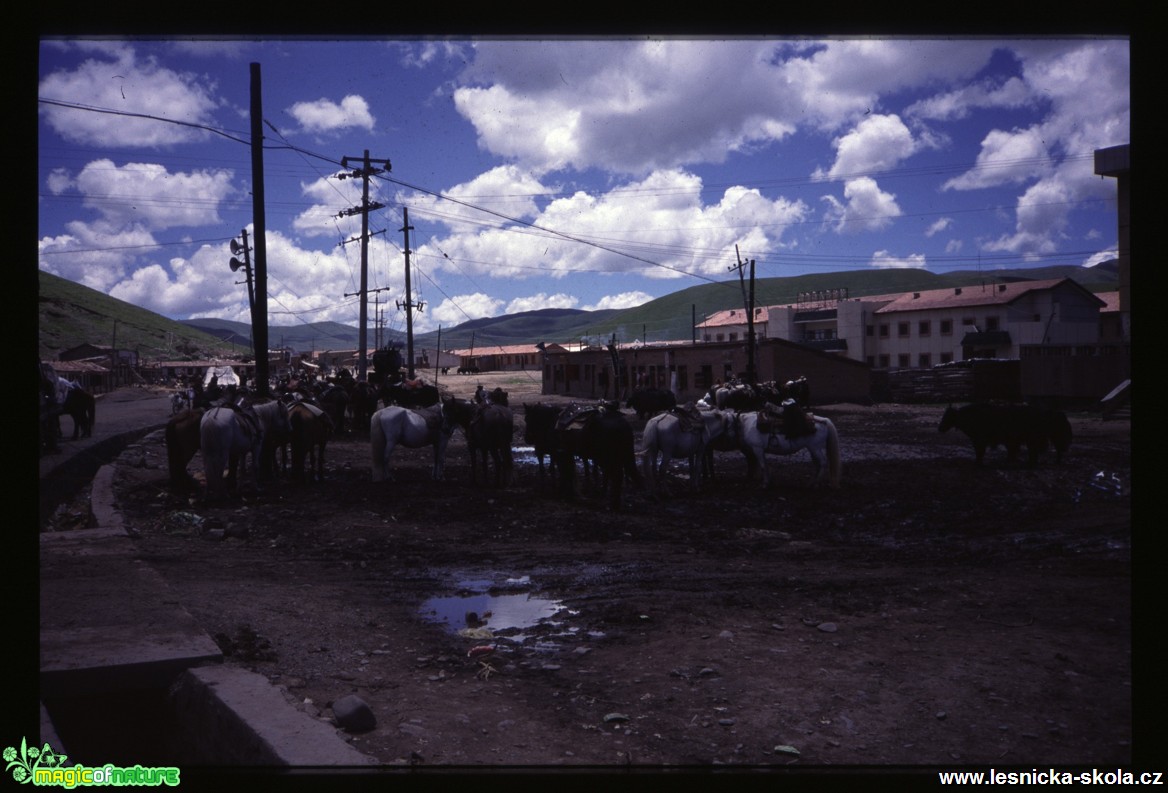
122, 416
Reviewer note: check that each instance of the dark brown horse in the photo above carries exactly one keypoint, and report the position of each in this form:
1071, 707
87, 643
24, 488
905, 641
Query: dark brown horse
309, 429
362, 405
334, 400
539, 428
988, 425
410, 394
489, 429
600, 434
182, 442
80, 406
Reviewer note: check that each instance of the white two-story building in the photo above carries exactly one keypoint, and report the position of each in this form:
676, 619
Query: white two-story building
1013, 319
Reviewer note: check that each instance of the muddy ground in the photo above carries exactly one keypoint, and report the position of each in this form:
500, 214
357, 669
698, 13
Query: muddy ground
927, 613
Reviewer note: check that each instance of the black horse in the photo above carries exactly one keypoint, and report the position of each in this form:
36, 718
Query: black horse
539, 432
489, 429
81, 406
410, 395
182, 443
362, 405
989, 425
599, 434
651, 401
333, 399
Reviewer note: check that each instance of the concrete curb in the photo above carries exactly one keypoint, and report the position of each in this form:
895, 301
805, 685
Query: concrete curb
126, 632
237, 718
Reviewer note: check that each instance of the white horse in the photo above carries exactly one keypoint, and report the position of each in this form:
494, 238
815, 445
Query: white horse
395, 426
667, 437
822, 444
227, 436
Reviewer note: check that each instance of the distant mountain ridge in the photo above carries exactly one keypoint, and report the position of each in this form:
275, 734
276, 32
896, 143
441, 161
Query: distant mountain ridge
672, 316
63, 304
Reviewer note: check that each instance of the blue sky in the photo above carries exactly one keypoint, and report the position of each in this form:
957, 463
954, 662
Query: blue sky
566, 173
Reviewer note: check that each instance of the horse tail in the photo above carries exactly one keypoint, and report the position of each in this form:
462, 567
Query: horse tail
377, 447
834, 462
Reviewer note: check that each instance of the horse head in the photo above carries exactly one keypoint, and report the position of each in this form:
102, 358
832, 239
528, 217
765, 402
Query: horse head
948, 419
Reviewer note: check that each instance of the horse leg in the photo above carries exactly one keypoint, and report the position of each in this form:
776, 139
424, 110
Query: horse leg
695, 469
758, 455
387, 470
649, 464
615, 476
819, 466
318, 460
232, 479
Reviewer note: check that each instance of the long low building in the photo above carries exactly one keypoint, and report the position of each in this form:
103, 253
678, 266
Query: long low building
690, 370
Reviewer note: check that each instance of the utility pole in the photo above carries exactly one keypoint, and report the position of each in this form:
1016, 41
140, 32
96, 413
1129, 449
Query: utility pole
259, 309
364, 173
376, 312
751, 376
114, 355
408, 304
235, 264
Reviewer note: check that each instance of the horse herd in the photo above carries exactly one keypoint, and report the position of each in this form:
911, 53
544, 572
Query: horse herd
596, 437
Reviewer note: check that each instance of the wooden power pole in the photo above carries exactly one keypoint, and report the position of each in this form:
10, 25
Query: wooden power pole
751, 375
367, 169
408, 304
259, 309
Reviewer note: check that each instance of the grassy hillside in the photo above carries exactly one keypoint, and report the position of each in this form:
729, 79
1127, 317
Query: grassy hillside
304, 337
71, 314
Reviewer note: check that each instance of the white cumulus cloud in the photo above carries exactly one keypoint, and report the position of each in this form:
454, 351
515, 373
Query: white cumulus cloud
324, 115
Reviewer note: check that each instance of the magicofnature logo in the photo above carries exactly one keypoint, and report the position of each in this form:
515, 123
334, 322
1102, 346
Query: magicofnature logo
47, 767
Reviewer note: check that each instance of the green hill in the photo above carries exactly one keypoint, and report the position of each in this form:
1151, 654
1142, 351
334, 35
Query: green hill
69, 314
313, 336
673, 316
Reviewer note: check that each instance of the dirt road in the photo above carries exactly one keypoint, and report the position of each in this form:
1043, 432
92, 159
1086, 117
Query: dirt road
927, 613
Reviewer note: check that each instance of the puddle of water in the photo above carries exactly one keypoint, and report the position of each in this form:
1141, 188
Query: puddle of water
525, 455
506, 612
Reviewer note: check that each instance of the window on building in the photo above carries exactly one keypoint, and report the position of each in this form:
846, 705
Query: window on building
991, 323
884, 330
884, 361
946, 357
902, 360
946, 327
924, 327
924, 361
733, 337
902, 329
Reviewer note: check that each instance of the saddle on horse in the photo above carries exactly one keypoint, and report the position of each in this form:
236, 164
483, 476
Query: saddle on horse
576, 416
788, 419
689, 417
